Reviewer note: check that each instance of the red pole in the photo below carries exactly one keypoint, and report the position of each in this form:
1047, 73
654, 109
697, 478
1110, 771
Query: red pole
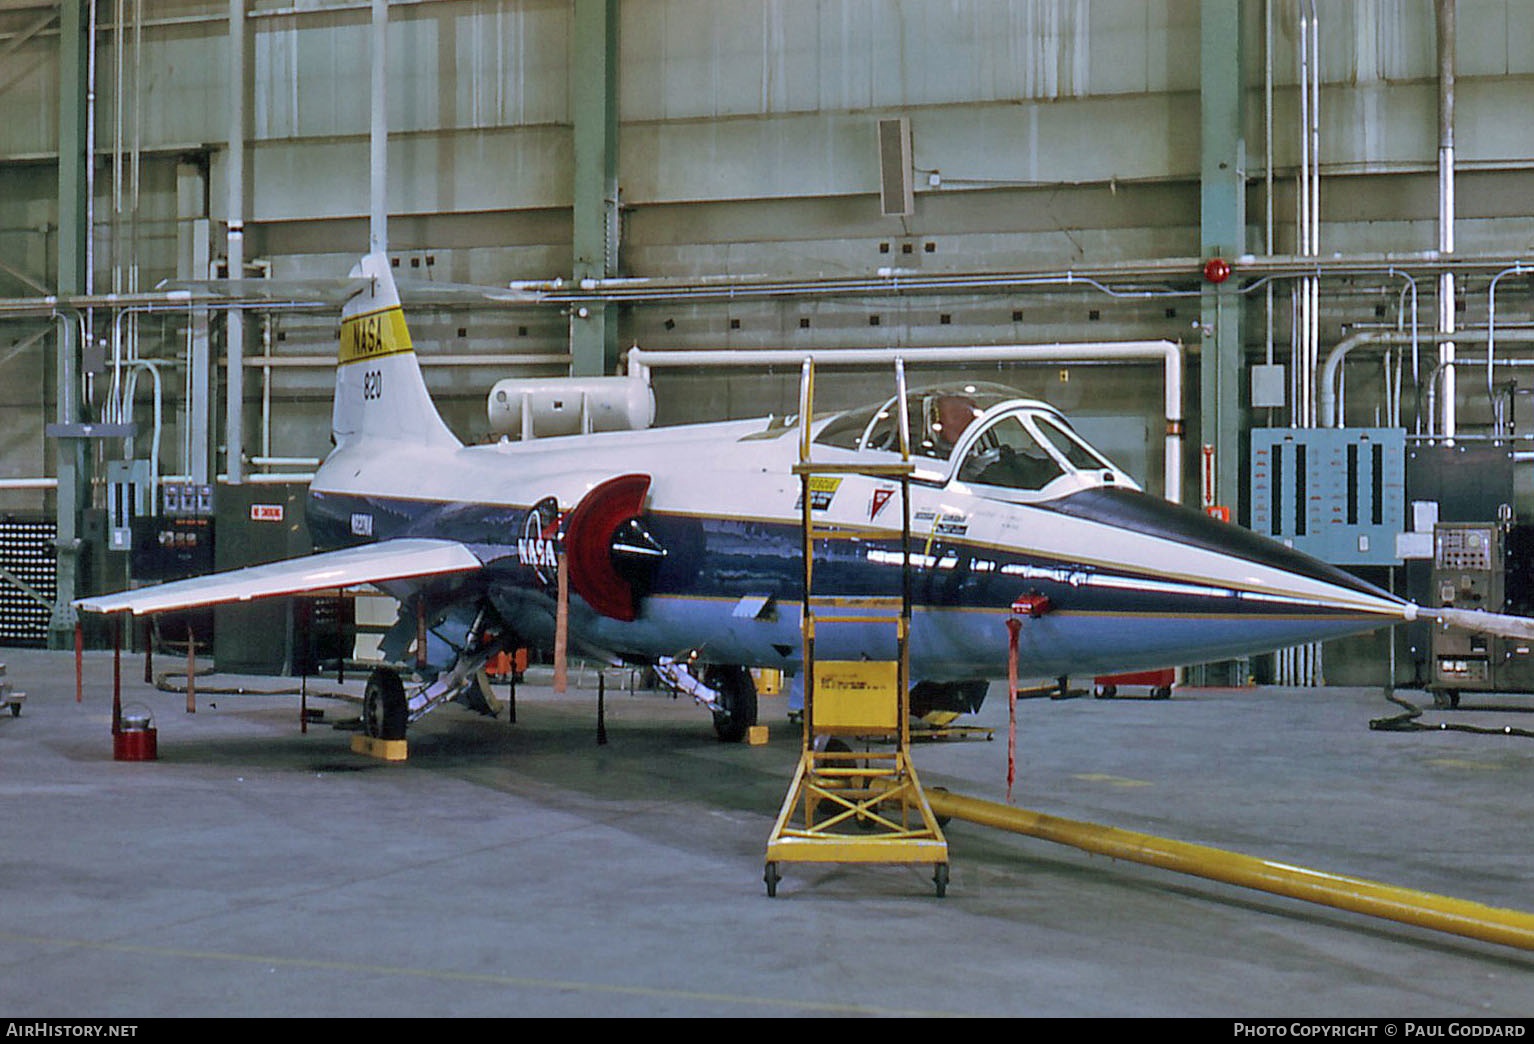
79, 661
191, 669
117, 674
1014, 627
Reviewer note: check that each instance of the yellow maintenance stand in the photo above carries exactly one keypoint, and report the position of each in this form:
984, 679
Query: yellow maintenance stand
845, 806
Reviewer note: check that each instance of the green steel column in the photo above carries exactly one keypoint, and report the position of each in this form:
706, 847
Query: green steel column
1222, 218
594, 97
74, 55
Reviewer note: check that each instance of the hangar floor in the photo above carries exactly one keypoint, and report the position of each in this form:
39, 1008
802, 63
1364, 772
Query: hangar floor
523, 870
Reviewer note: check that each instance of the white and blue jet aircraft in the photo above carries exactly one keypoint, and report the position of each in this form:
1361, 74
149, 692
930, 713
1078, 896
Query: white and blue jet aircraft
683, 545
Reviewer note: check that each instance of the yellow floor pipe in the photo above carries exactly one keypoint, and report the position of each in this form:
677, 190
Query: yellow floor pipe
1441, 913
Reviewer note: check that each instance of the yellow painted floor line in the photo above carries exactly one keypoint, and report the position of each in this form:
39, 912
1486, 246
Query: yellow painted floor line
1113, 781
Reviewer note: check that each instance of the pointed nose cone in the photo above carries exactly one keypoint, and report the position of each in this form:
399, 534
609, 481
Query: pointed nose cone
1247, 593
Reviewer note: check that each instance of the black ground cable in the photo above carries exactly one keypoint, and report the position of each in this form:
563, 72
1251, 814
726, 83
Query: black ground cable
163, 683
1408, 723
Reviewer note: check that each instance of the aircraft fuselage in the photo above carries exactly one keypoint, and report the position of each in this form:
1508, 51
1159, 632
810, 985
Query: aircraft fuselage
1133, 582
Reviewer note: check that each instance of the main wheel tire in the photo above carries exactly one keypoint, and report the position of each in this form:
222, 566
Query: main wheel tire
384, 711
737, 694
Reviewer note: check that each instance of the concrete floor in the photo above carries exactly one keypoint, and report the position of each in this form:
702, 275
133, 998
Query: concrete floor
523, 870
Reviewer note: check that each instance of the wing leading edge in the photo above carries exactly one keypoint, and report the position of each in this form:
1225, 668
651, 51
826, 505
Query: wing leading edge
370, 563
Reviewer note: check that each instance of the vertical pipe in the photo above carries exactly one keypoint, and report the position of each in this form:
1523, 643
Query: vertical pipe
1446, 207
1502, 427
136, 155
378, 133
234, 323
1301, 319
1267, 174
1313, 131
117, 159
90, 155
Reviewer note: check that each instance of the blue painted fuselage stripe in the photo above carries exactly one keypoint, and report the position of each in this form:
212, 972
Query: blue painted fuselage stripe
1102, 620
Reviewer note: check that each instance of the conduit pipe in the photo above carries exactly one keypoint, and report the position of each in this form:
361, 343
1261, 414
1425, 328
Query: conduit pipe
1446, 207
1332, 398
1406, 906
662, 290
641, 361
1499, 425
378, 134
1442, 368
234, 323
1416, 362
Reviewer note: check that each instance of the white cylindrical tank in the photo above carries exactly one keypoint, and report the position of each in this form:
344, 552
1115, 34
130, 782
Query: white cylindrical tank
537, 407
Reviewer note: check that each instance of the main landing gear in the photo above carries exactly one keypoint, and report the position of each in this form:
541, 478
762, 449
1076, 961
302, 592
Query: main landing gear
385, 711
736, 706
727, 690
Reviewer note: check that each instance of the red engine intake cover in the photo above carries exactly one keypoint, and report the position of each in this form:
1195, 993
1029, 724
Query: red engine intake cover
588, 540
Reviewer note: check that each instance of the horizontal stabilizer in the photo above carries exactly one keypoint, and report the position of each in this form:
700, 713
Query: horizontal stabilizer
370, 563
1481, 621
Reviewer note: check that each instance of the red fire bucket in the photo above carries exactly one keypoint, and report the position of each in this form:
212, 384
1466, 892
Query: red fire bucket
136, 738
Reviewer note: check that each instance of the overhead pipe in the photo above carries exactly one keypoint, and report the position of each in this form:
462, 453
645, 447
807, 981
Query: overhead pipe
663, 290
1333, 388
641, 361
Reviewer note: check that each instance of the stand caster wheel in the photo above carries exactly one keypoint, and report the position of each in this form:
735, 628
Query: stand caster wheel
940, 879
770, 875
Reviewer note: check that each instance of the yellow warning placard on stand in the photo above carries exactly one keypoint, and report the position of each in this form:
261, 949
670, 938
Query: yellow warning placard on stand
857, 694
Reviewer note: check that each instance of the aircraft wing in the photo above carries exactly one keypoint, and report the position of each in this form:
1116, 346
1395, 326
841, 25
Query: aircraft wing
370, 563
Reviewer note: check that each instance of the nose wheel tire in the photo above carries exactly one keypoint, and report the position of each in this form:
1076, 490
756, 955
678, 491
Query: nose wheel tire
737, 694
384, 710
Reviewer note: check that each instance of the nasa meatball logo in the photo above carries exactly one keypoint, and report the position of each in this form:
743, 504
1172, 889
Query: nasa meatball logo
538, 547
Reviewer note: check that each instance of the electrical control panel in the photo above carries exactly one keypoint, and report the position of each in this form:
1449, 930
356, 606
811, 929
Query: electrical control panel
1336, 493
1471, 571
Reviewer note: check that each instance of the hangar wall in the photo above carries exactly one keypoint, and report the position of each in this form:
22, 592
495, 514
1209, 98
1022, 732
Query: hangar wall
1049, 137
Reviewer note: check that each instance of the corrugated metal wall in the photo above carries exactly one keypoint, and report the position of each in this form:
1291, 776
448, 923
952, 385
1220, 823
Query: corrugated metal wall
1046, 132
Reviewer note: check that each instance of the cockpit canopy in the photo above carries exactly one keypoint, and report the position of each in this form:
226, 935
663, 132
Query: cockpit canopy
982, 434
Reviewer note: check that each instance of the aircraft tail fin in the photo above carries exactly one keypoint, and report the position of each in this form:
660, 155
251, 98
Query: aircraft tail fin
380, 392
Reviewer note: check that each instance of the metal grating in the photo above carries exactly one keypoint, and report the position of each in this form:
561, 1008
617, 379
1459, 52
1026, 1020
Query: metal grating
27, 552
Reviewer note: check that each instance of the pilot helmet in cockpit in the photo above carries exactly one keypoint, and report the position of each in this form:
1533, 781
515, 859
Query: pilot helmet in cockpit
945, 418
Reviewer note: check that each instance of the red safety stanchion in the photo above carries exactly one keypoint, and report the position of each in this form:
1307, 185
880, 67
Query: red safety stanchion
1014, 628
